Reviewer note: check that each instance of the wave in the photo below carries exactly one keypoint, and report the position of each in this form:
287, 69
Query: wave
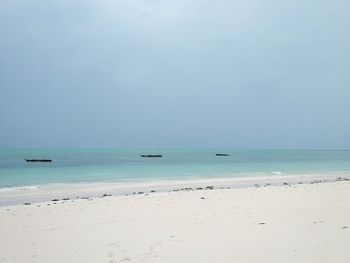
276, 173
20, 188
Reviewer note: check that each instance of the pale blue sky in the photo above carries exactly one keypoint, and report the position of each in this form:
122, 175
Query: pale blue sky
185, 73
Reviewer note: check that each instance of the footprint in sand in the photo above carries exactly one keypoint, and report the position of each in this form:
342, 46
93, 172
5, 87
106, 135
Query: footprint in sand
111, 258
111, 255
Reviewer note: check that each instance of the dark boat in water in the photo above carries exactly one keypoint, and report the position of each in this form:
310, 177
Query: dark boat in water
39, 160
151, 155
222, 154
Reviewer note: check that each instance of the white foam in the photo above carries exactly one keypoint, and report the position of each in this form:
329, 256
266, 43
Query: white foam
20, 188
276, 173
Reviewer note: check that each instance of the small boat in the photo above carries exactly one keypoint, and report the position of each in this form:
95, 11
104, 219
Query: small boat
222, 154
151, 155
39, 160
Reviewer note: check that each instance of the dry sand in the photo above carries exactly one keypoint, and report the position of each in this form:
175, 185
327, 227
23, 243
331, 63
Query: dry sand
299, 223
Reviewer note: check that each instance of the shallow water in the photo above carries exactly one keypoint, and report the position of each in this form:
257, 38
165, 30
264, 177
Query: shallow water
96, 165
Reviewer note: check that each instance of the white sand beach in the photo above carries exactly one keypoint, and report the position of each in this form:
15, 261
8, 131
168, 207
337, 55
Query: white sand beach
298, 223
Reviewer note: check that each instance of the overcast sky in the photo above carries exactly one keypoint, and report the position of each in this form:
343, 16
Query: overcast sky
184, 73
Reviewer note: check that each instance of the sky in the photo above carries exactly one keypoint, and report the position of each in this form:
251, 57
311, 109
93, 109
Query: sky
185, 73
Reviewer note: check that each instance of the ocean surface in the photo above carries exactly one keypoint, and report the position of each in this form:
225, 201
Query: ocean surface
120, 165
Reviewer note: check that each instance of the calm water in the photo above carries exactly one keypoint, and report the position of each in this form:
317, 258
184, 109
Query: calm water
93, 165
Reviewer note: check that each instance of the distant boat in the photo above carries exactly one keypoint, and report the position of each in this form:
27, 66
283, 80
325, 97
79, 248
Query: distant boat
39, 160
151, 155
222, 154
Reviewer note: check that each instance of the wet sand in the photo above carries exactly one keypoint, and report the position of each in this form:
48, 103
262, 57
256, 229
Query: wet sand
47, 192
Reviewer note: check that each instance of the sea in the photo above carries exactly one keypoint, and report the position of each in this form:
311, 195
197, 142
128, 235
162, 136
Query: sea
127, 165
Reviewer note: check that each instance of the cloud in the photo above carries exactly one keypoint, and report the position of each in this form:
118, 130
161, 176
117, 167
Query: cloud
175, 73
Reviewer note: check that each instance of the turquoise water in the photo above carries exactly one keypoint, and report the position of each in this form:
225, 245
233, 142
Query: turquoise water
95, 165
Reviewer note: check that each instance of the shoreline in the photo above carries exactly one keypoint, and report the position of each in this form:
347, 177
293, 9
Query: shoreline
70, 191
290, 223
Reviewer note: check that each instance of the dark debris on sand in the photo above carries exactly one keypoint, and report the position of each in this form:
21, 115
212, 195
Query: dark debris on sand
342, 179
